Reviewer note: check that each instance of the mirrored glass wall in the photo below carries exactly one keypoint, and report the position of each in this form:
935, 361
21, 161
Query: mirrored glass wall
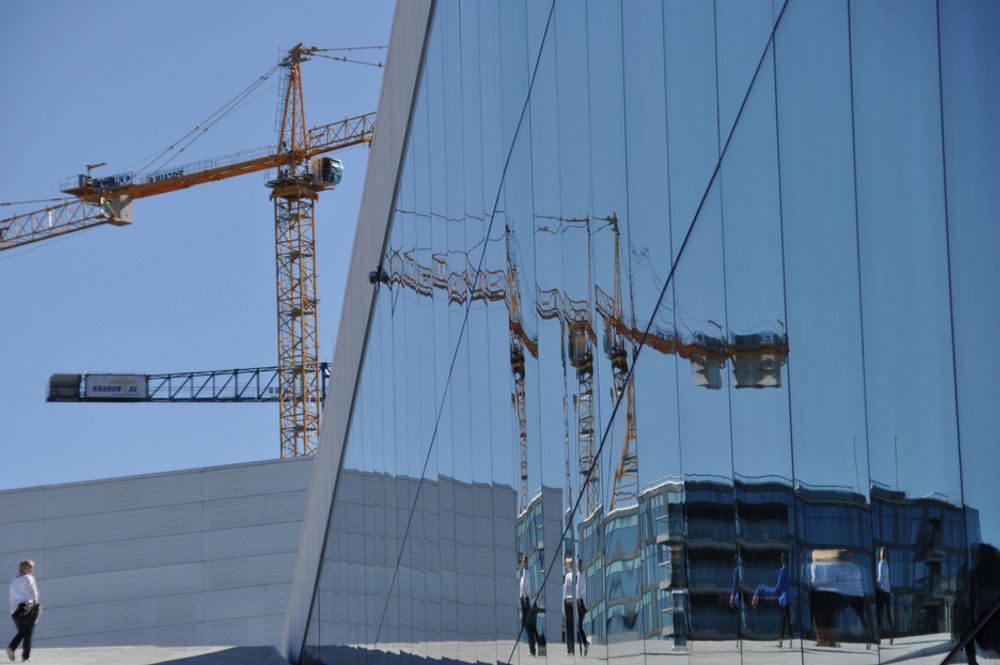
682, 344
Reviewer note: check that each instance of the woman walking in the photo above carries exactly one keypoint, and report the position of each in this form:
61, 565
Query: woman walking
24, 609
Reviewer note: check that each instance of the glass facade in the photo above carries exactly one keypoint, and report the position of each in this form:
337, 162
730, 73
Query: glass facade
698, 296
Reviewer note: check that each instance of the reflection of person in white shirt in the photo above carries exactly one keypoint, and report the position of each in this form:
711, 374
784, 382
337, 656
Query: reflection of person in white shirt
528, 613
569, 606
883, 594
24, 608
836, 582
581, 605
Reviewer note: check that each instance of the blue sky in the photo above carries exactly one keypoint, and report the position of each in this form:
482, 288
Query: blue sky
190, 285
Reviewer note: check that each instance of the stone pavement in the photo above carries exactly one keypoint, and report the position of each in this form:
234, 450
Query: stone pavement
150, 655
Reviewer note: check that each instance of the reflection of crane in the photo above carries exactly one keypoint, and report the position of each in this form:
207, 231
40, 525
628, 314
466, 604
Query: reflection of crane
485, 285
626, 481
299, 180
519, 341
577, 339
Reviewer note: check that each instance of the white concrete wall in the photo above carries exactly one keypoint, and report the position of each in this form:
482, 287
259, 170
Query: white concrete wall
195, 557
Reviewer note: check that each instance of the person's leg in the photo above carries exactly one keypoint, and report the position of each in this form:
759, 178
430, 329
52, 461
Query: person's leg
888, 612
17, 638
569, 611
879, 607
29, 627
786, 620
526, 623
581, 634
858, 605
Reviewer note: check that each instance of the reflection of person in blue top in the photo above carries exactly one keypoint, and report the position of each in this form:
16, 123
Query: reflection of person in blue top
736, 598
781, 590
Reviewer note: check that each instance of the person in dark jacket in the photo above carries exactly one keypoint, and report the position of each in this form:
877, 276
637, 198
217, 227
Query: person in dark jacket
782, 592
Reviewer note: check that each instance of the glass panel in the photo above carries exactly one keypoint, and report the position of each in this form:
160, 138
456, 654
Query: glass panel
770, 560
644, 446
912, 426
828, 419
970, 72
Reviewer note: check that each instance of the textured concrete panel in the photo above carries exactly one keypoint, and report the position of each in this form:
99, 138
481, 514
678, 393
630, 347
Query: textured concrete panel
248, 571
230, 482
21, 506
123, 525
116, 495
268, 599
122, 584
251, 541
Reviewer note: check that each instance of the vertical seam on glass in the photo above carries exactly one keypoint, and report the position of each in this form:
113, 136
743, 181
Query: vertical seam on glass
951, 311
784, 297
670, 236
857, 246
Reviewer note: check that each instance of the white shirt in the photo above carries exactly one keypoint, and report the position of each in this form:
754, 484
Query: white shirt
22, 589
581, 586
525, 583
568, 586
883, 576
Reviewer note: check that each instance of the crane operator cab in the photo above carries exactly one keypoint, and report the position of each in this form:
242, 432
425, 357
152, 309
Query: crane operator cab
326, 171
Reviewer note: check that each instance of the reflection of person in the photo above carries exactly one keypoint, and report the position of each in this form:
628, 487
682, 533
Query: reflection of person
581, 605
836, 582
883, 595
24, 608
984, 593
569, 607
781, 590
736, 598
529, 614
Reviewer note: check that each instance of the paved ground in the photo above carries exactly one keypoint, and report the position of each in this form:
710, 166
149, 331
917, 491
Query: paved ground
147, 655
928, 649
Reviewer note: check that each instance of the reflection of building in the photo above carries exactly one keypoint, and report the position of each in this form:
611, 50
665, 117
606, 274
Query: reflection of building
690, 533
538, 537
624, 158
926, 545
458, 580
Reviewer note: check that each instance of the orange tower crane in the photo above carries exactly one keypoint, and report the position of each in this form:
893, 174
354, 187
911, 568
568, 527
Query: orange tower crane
301, 175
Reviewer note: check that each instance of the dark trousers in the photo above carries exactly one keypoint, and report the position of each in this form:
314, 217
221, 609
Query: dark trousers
857, 603
528, 618
883, 601
581, 611
786, 620
568, 612
25, 626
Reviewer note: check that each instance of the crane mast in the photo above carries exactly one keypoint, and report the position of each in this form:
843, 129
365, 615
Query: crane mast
626, 481
517, 369
294, 192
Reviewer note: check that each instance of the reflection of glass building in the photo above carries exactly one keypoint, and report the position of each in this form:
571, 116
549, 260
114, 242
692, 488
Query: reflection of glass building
679, 288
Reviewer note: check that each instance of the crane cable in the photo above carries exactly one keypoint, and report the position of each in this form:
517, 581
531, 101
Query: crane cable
162, 157
342, 58
15, 203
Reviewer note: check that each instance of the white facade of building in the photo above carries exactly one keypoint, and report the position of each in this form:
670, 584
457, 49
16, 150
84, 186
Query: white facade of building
193, 557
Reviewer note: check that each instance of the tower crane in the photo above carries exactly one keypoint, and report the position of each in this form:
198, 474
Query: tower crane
301, 175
